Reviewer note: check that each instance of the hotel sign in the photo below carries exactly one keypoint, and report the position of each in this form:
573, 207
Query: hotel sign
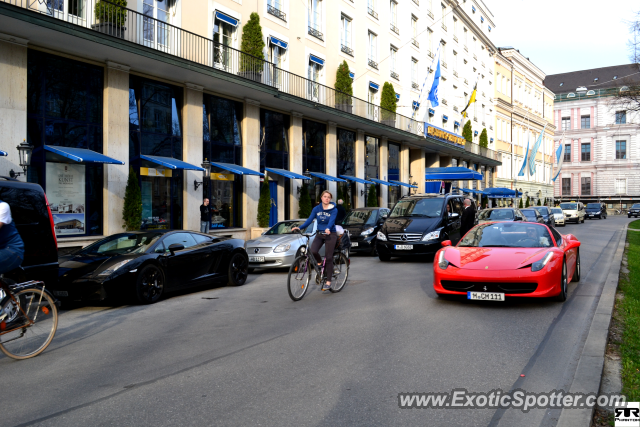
444, 135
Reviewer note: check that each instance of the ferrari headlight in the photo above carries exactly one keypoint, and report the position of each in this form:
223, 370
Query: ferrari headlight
282, 248
442, 261
434, 235
113, 268
539, 265
367, 232
381, 236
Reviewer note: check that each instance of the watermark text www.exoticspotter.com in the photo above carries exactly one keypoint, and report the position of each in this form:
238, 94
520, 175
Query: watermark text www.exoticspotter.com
516, 399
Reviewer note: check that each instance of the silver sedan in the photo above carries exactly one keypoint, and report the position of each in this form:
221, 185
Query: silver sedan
558, 215
279, 246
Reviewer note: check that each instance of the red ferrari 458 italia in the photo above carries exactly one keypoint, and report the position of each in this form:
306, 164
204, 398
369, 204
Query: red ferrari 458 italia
508, 259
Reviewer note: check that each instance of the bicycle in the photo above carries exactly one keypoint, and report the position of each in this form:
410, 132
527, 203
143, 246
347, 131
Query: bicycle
302, 267
31, 321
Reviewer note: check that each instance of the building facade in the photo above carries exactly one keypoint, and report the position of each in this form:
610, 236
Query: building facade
601, 138
160, 86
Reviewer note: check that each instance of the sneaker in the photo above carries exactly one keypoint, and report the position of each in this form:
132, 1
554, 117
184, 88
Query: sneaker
326, 286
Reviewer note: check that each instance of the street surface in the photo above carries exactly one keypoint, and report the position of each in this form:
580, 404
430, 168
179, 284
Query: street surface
251, 356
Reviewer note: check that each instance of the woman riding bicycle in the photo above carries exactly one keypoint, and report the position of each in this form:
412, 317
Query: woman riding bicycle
325, 214
11, 248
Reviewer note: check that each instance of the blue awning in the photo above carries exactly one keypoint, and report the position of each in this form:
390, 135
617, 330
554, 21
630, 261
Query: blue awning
397, 97
491, 139
82, 155
278, 42
468, 190
171, 163
475, 133
3, 153
432, 111
374, 86
379, 181
451, 173
226, 18
354, 179
238, 170
352, 75
286, 173
501, 192
456, 124
445, 117
317, 60
403, 184
415, 105
326, 177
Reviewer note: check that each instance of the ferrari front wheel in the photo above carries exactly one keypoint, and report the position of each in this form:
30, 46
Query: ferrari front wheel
576, 272
562, 296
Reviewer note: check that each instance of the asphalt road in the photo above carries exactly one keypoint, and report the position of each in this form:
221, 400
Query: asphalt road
251, 356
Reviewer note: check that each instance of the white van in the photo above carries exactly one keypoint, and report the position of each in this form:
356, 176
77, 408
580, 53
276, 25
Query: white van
573, 211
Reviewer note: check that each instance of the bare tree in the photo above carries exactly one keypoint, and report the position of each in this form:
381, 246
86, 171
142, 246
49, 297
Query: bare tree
628, 95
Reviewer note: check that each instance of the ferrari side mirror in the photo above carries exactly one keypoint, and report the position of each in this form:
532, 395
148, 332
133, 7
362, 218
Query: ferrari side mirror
446, 243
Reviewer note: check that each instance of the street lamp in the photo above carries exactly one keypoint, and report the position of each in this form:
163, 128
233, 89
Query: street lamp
24, 152
206, 165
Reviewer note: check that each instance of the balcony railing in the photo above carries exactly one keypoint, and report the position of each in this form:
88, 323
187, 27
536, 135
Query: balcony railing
394, 29
481, 151
415, 85
444, 64
475, 57
466, 48
372, 12
347, 50
444, 101
429, 54
315, 33
483, 124
455, 38
373, 64
417, 2
415, 42
430, 14
276, 12
117, 22
455, 73
455, 108
444, 27
395, 75
466, 81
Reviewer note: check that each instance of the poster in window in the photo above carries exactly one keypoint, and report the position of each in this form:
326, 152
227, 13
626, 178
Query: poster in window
66, 194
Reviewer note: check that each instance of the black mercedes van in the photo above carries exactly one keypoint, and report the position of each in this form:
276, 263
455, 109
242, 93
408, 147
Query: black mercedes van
418, 223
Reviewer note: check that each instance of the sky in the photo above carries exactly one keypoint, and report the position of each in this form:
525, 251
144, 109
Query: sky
559, 36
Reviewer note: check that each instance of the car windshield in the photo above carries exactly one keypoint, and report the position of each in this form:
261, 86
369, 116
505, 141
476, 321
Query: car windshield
507, 235
360, 217
542, 210
426, 208
496, 214
569, 206
593, 206
636, 206
123, 243
529, 213
556, 211
285, 227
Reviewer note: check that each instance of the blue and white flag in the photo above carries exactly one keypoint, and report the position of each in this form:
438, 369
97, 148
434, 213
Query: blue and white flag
435, 65
534, 151
526, 156
559, 158
433, 93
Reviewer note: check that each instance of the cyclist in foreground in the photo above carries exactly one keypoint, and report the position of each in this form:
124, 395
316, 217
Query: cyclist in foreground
11, 248
325, 214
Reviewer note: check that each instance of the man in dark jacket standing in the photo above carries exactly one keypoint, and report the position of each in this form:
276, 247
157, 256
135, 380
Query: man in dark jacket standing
342, 213
468, 217
205, 216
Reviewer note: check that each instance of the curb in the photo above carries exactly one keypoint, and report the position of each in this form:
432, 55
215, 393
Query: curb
588, 374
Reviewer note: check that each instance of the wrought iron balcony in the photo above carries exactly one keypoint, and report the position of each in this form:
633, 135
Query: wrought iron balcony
394, 29
455, 73
455, 108
466, 81
475, 119
466, 48
373, 64
482, 63
276, 12
475, 57
415, 85
444, 101
430, 14
444, 27
347, 50
372, 12
315, 33
429, 54
417, 2
415, 42
395, 75
455, 38
483, 124
444, 64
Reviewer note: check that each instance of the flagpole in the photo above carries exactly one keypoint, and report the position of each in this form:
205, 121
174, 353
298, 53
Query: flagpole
516, 180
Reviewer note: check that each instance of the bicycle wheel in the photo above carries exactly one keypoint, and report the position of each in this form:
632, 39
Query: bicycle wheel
30, 340
340, 272
299, 276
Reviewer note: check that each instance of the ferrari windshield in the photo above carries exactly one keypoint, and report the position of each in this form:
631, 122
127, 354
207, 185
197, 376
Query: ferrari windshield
508, 235
360, 217
425, 208
122, 243
569, 206
285, 227
496, 214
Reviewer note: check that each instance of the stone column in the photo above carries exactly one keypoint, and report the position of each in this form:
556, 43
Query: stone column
251, 160
445, 161
405, 170
432, 160
383, 148
331, 161
115, 140
13, 101
295, 161
192, 153
359, 161
416, 157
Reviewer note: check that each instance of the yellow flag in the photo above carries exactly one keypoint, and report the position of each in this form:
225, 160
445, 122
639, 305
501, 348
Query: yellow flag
471, 100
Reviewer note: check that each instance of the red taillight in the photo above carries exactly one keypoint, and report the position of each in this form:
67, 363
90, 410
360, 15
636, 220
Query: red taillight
53, 227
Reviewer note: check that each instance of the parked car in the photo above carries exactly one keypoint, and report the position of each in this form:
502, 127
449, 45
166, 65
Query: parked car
32, 217
145, 264
500, 214
549, 218
532, 215
595, 210
363, 225
418, 223
634, 210
558, 216
573, 211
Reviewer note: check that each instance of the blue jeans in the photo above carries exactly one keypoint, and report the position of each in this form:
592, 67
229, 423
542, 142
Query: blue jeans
204, 226
9, 260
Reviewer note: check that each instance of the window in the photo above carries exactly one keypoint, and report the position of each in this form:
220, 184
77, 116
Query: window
566, 186
313, 156
373, 50
430, 41
393, 57
455, 29
345, 35
156, 31
466, 37
313, 74
315, 18
567, 152
621, 117
414, 73
585, 186
621, 149
394, 17
223, 35
621, 186
566, 123
414, 30
274, 150
371, 6
346, 165
455, 61
585, 122
586, 152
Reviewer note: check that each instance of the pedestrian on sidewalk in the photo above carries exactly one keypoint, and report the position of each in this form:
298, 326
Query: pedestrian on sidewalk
205, 216
342, 213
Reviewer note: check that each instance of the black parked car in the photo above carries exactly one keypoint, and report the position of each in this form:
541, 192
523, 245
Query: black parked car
547, 215
145, 264
363, 225
418, 223
532, 215
596, 210
500, 215
634, 210
32, 217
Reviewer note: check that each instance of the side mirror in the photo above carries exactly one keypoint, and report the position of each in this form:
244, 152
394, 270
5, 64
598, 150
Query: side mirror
517, 218
175, 247
454, 215
572, 244
446, 243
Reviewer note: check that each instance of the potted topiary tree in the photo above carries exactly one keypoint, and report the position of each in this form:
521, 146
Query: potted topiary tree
344, 88
111, 17
251, 64
526, 205
388, 105
484, 141
305, 208
520, 204
132, 209
467, 132
372, 197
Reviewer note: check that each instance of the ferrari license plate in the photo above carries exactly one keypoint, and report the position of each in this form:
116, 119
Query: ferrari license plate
256, 259
485, 296
403, 247
354, 244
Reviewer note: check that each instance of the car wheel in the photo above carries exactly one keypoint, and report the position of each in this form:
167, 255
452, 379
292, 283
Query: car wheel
583, 220
576, 273
238, 270
384, 257
562, 296
150, 285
